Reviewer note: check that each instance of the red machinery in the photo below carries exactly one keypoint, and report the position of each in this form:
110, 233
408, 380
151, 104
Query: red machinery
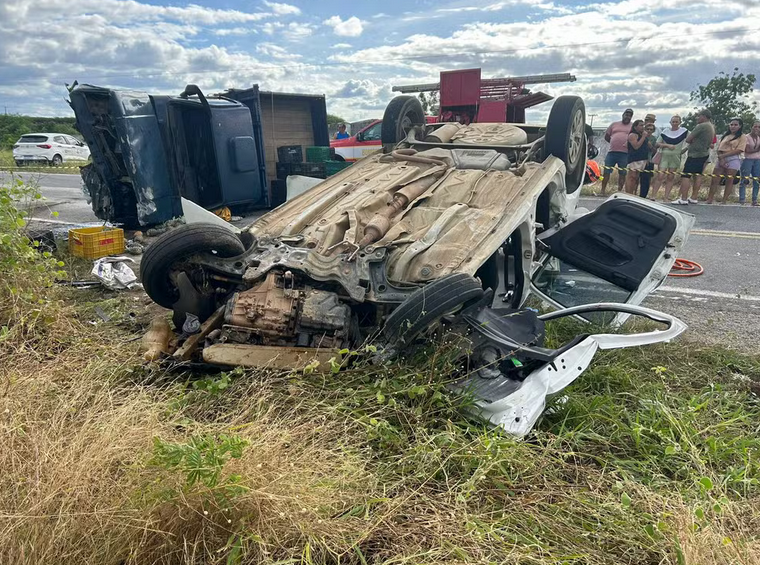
466, 97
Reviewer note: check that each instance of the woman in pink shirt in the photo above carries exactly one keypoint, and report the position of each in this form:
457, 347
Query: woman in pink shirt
751, 165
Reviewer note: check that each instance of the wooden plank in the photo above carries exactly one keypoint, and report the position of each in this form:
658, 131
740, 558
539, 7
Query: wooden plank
269, 357
191, 343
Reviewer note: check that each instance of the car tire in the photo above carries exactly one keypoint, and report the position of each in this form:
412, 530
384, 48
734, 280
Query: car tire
566, 138
19, 163
402, 113
339, 158
178, 244
426, 305
57, 161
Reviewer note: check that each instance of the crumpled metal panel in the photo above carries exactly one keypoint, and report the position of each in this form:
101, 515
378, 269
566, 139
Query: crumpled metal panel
453, 226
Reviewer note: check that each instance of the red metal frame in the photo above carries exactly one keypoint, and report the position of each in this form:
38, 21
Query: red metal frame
466, 97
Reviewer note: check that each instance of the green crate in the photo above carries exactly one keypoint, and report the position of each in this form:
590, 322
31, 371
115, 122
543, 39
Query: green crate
318, 154
334, 167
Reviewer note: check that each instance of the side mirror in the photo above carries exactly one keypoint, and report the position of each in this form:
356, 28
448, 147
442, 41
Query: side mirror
360, 136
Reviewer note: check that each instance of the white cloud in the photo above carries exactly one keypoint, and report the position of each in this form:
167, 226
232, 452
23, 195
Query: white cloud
234, 31
342, 46
276, 52
282, 9
352, 27
293, 30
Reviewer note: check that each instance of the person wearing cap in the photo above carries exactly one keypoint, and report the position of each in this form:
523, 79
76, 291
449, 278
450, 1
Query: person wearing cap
653, 133
699, 141
342, 134
617, 157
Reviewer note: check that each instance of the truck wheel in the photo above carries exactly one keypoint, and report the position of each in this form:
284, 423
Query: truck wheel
566, 138
427, 304
401, 114
167, 255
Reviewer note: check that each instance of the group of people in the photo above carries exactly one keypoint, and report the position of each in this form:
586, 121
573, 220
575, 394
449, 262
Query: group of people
644, 155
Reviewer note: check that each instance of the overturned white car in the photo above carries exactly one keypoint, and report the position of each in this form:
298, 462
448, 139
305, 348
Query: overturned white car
450, 230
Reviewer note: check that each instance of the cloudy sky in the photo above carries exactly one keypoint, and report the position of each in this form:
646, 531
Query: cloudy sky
647, 54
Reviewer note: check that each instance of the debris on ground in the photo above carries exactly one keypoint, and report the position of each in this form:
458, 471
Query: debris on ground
115, 274
165, 227
134, 248
156, 340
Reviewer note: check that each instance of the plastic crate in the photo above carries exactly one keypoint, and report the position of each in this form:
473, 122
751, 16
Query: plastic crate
319, 154
290, 154
334, 167
93, 243
284, 170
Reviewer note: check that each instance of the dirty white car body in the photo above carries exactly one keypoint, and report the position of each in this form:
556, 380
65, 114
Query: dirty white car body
451, 230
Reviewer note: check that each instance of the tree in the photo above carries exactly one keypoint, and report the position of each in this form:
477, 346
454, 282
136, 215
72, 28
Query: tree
429, 101
333, 120
726, 96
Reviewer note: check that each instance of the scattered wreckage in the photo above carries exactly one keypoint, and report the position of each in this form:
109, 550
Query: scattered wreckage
452, 229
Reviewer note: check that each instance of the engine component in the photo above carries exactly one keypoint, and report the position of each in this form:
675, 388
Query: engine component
323, 311
267, 308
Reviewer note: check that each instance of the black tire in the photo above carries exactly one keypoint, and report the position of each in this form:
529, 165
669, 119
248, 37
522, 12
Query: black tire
339, 158
57, 160
400, 115
566, 138
19, 163
176, 245
427, 304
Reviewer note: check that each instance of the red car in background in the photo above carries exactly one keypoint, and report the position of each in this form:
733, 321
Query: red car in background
364, 142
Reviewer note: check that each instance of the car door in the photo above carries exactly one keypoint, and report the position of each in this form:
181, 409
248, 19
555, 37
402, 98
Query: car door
368, 140
62, 147
620, 252
78, 149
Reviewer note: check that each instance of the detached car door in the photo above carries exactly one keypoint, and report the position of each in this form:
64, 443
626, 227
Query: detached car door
620, 252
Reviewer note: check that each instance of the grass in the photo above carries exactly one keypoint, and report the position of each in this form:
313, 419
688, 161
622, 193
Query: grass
68, 168
650, 458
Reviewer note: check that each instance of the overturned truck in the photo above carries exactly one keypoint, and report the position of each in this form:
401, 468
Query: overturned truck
149, 150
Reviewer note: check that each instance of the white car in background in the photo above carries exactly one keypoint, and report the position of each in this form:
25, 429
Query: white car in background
51, 148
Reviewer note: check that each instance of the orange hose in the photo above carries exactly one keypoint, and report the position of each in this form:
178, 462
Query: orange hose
687, 268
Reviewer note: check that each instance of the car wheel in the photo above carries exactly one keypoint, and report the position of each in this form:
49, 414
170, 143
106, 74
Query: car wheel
566, 138
166, 256
19, 163
339, 158
401, 114
427, 304
57, 160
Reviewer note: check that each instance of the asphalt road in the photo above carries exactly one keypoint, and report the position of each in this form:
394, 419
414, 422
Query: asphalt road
722, 305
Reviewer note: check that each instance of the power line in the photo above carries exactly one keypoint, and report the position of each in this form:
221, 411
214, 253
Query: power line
264, 66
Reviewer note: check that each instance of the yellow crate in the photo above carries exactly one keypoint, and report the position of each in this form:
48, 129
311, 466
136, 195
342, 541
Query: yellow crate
93, 243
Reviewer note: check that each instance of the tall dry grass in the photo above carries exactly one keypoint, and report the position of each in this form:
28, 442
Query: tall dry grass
650, 460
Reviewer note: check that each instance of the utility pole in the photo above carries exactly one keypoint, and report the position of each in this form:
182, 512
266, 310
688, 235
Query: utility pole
592, 119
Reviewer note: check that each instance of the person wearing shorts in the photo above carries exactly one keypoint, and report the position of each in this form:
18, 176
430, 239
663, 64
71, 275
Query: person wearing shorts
638, 155
730, 154
699, 142
617, 157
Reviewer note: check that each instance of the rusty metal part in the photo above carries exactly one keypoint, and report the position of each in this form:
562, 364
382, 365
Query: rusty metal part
267, 308
318, 267
380, 223
322, 310
191, 343
269, 357
411, 156
444, 133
